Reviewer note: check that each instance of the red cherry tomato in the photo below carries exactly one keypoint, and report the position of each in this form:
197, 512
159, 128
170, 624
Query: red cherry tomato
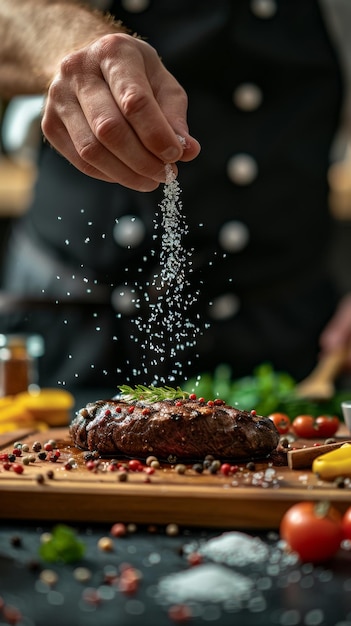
327, 425
313, 530
281, 421
346, 524
304, 426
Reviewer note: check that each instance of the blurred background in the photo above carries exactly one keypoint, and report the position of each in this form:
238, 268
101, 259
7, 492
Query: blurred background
19, 138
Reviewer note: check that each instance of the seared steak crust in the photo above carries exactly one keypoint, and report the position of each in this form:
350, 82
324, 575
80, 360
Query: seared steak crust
186, 429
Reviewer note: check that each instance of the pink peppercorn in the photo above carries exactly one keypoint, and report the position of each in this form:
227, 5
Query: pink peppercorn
234, 469
253, 412
146, 411
149, 470
11, 614
118, 409
118, 530
225, 469
179, 613
210, 403
192, 396
17, 451
48, 447
18, 468
219, 402
179, 403
107, 413
7, 466
194, 558
90, 465
91, 596
131, 409
201, 400
134, 465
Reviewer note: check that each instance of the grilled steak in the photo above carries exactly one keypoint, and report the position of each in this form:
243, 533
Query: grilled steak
186, 429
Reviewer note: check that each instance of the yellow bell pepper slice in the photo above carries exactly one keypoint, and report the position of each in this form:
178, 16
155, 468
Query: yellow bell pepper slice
52, 406
334, 464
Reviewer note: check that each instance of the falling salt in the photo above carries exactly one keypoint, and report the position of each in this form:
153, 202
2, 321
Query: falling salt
206, 583
169, 329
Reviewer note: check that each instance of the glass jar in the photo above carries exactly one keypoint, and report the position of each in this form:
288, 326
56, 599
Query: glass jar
18, 362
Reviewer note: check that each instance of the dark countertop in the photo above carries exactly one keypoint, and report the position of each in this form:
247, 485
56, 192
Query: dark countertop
284, 592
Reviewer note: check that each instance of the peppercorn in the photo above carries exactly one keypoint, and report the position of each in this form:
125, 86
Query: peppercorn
42, 456
36, 447
50, 474
214, 467
48, 577
150, 459
105, 544
251, 466
180, 468
82, 574
40, 479
16, 541
88, 456
172, 530
198, 468
122, 476
118, 530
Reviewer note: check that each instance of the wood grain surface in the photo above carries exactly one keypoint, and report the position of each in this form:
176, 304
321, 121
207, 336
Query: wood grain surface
247, 499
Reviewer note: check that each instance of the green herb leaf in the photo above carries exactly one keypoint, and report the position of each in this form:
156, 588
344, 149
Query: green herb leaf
63, 546
151, 393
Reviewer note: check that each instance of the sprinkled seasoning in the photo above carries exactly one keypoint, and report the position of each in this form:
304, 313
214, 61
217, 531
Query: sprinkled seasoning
208, 582
169, 329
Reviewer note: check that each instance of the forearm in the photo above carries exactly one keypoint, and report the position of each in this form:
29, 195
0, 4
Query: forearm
35, 35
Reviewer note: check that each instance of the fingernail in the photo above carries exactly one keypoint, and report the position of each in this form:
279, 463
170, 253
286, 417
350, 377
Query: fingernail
170, 155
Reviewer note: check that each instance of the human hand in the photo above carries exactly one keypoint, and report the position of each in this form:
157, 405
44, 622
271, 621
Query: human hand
337, 333
117, 114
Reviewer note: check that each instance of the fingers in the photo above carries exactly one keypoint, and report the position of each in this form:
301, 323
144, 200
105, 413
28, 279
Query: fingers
72, 136
117, 114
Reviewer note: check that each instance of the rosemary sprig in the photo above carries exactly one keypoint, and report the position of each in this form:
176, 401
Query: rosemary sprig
152, 393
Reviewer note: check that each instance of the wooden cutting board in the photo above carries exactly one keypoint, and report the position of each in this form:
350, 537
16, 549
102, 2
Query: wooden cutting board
243, 500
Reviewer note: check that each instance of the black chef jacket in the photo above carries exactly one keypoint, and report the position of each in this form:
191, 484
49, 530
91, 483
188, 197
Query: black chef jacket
265, 93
